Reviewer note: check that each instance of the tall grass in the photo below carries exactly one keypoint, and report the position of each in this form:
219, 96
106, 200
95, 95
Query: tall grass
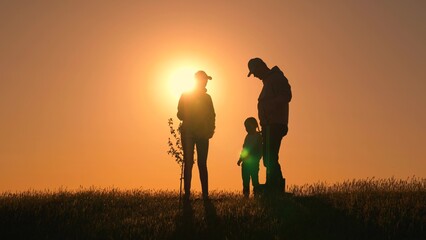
87, 214
396, 206
356, 209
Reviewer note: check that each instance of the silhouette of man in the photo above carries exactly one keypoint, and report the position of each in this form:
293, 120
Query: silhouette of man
273, 110
196, 111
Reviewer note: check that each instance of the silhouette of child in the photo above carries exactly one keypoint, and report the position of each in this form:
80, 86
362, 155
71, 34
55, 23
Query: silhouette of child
250, 156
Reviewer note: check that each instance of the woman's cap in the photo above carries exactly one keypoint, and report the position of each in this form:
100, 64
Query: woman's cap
202, 75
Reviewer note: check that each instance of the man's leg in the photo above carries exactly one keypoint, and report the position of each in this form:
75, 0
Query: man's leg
266, 152
188, 157
202, 151
277, 132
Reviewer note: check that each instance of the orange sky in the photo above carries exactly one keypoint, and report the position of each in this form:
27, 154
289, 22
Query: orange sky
85, 88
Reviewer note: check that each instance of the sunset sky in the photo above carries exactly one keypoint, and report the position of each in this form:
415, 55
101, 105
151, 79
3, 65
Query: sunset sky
86, 88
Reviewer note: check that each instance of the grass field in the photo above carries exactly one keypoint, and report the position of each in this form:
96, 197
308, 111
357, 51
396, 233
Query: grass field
358, 209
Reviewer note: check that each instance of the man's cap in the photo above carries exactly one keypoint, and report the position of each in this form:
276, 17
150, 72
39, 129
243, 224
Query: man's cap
202, 75
253, 64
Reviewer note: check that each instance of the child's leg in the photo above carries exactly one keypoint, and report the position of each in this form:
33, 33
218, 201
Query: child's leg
245, 173
254, 173
255, 178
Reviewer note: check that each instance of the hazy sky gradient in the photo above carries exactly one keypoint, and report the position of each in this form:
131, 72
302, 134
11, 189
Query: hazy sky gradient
85, 88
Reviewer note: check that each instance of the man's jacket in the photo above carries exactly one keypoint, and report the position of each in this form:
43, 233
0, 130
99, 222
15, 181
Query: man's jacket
273, 101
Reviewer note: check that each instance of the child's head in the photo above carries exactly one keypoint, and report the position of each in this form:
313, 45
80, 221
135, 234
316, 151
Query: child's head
251, 124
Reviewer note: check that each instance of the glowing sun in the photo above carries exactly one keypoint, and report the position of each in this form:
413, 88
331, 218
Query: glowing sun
181, 80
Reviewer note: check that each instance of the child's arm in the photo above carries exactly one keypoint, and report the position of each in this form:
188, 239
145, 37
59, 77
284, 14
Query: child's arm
244, 152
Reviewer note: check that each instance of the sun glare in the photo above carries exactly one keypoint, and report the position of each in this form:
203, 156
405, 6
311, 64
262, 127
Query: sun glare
181, 80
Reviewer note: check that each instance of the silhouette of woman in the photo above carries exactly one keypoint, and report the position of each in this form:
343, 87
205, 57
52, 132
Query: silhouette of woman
196, 111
